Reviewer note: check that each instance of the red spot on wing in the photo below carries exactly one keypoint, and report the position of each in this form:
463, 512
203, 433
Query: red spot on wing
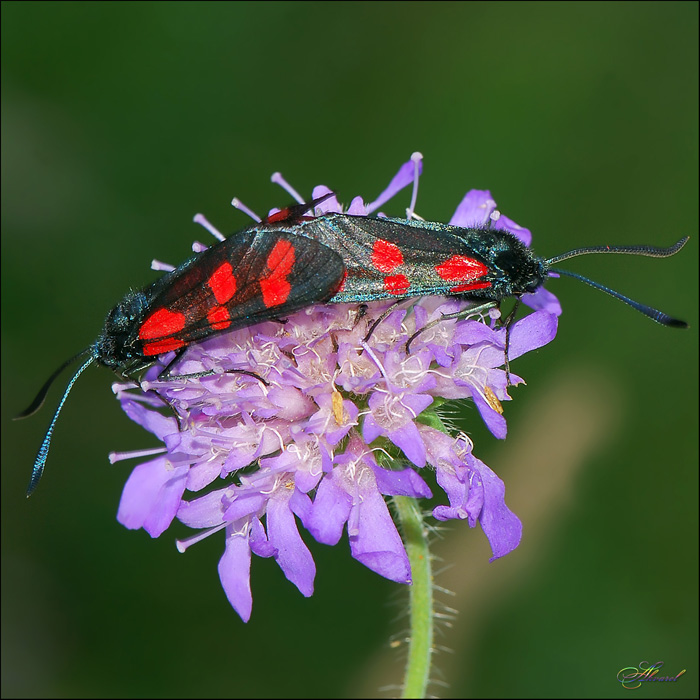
461, 268
386, 256
469, 286
222, 283
219, 318
160, 324
396, 284
281, 259
275, 291
158, 347
274, 286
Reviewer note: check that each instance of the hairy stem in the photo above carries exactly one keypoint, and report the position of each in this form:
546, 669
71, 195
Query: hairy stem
422, 615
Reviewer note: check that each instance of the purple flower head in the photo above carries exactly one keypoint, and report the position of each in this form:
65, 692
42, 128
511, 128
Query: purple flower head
314, 421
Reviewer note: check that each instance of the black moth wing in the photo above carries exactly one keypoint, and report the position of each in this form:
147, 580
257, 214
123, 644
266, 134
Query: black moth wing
421, 247
435, 259
309, 271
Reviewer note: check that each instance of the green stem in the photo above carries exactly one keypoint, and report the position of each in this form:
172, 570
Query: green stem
422, 615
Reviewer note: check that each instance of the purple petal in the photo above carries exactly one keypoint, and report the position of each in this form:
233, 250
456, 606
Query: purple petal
501, 526
543, 299
291, 404
409, 440
495, 422
300, 504
259, 544
376, 543
473, 332
532, 332
370, 429
234, 572
293, 556
417, 402
151, 496
402, 178
457, 491
442, 447
474, 210
357, 207
245, 503
330, 511
206, 511
152, 421
202, 474
401, 482
306, 481
529, 333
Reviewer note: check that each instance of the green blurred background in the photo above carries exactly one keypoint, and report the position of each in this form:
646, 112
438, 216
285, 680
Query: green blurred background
122, 120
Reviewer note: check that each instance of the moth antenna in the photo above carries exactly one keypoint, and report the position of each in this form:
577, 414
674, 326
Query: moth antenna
43, 453
315, 202
296, 211
649, 251
39, 399
652, 313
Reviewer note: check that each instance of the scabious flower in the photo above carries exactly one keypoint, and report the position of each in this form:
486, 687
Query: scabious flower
312, 422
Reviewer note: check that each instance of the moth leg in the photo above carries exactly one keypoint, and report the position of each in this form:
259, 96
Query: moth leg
465, 313
508, 324
361, 313
374, 325
166, 375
